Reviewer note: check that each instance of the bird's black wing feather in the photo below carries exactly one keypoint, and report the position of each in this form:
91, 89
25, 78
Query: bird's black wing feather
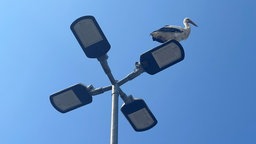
170, 29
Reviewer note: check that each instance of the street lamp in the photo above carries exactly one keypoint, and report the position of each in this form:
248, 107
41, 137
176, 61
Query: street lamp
90, 36
71, 98
139, 115
95, 45
162, 57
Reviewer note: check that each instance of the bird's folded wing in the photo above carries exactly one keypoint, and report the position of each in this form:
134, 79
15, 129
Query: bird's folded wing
169, 28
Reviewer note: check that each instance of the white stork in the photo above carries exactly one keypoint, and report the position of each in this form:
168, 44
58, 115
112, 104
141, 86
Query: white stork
170, 32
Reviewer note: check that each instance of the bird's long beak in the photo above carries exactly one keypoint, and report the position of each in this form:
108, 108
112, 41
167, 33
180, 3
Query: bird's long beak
190, 21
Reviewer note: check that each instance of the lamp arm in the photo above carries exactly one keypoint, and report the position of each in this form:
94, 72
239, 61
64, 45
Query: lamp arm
101, 90
138, 70
104, 64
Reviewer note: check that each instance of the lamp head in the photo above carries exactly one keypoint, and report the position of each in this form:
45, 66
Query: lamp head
162, 57
90, 36
139, 115
71, 98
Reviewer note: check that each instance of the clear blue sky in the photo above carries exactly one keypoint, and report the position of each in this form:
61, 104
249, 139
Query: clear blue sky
208, 98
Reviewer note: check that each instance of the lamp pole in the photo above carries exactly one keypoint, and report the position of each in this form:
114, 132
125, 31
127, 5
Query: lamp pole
114, 116
116, 91
114, 104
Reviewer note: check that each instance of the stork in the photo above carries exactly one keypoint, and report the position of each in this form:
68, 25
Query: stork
170, 32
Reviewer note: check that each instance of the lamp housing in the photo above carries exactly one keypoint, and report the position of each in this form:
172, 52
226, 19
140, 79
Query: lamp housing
90, 36
162, 57
139, 115
71, 98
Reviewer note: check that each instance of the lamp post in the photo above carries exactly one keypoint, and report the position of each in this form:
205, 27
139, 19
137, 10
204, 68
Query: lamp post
95, 45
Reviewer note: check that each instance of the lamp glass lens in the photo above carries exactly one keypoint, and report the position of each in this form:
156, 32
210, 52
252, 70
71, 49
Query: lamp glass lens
167, 54
66, 100
87, 32
141, 119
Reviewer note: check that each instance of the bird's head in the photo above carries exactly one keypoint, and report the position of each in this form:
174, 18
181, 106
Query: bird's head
187, 20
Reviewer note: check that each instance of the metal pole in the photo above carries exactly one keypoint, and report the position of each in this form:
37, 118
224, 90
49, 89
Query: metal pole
115, 93
114, 116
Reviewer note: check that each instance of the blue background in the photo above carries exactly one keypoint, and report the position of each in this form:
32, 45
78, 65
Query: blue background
208, 98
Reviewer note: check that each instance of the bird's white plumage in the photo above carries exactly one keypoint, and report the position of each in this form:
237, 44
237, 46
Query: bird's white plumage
171, 32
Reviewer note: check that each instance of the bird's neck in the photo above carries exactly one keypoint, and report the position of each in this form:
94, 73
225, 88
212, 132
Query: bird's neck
187, 26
